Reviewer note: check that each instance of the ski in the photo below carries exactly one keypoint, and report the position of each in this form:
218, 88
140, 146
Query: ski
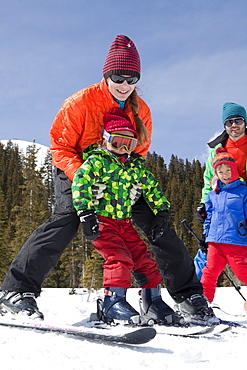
217, 307
185, 332
220, 329
131, 336
194, 332
233, 324
178, 331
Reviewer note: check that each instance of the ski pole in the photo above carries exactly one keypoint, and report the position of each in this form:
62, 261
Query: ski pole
189, 228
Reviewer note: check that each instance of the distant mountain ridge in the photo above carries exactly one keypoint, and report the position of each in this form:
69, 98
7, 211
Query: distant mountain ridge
22, 144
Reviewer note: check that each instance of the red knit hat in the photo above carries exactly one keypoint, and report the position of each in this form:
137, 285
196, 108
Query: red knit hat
122, 58
117, 120
223, 157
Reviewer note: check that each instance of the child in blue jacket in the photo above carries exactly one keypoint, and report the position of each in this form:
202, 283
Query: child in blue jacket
225, 227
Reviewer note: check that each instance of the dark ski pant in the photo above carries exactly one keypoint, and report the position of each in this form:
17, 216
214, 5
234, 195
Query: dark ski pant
41, 252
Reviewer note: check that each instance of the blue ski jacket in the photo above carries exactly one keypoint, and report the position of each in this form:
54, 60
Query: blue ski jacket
226, 213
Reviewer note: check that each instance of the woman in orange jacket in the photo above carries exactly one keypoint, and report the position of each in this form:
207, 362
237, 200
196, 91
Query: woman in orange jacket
77, 125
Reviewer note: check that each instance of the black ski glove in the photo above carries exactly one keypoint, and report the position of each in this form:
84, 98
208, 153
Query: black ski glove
90, 224
202, 244
201, 214
158, 225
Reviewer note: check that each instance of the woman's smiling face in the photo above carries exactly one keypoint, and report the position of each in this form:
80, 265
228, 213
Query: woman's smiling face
120, 91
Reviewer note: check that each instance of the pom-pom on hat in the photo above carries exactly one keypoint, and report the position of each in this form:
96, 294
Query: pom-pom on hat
231, 110
223, 157
117, 120
122, 58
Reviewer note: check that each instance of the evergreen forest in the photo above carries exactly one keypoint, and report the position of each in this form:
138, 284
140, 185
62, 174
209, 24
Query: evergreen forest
27, 198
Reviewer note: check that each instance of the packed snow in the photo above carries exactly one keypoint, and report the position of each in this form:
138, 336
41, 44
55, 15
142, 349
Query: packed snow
27, 349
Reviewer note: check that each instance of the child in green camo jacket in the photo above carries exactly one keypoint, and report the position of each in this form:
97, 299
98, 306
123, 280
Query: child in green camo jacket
108, 224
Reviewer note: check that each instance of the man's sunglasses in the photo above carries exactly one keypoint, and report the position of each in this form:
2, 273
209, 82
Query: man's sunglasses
237, 121
120, 141
120, 79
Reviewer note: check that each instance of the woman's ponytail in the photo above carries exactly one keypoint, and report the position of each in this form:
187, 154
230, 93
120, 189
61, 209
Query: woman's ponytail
140, 127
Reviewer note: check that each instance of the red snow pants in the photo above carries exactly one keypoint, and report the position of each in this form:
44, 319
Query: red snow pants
218, 256
125, 252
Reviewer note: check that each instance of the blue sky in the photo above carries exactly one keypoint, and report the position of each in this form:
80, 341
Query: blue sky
193, 56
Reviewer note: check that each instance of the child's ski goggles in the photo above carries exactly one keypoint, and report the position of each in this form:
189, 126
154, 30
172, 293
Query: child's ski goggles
120, 141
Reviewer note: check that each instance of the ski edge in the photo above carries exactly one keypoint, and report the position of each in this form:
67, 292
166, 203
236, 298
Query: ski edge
137, 336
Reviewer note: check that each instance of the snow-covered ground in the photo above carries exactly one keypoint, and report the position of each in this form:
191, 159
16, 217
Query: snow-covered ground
24, 349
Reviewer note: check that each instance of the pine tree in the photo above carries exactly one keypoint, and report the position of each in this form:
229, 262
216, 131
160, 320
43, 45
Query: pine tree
33, 209
156, 164
93, 271
47, 175
11, 175
4, 248
182, 184
10, 195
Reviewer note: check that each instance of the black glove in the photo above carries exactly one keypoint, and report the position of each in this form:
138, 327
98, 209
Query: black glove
158, 225
201, 214
202, 244
90, 224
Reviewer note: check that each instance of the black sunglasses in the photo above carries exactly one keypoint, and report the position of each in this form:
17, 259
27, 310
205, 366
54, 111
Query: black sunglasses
120, 79
237, 121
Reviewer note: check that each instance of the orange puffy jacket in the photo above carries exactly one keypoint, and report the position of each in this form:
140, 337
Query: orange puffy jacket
79, 123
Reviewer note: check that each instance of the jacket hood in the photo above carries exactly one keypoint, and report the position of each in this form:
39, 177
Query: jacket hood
240, 181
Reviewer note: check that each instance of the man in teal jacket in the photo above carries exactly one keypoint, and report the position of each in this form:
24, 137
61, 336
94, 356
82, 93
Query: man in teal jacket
234, 140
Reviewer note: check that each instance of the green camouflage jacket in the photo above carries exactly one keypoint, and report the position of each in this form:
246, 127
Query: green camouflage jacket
104, 167
208, 173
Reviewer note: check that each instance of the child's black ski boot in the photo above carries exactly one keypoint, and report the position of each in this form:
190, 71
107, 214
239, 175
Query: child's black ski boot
155, 308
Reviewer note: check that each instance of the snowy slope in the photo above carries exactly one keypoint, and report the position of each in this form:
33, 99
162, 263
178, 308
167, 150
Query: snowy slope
22, 144
24, 349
